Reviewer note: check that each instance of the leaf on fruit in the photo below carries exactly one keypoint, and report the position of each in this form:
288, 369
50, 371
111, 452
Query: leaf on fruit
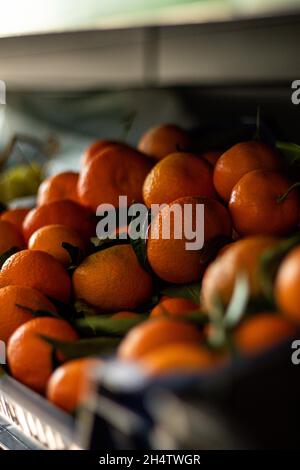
110, 326
187, 291
238, 302
83, 347
38, 313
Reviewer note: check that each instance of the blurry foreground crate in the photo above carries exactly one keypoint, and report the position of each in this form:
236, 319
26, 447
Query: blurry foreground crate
251, 404
28, 421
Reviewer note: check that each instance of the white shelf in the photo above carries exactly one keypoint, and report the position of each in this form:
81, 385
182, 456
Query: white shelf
218, 52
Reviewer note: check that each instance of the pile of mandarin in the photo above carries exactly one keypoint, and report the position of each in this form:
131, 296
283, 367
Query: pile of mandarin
173, 311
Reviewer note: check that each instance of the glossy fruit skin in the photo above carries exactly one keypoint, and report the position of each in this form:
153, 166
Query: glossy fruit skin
12, 315
10, 237
97, 147
175, 306
178, 358
155, 333
261, 332
64, 212
254, 205
68, 384
58, 187
39, 270
287, 291
50, 238
112, 280
239, 160
169, 258
160, 141
117, 171
15, 216
29, 357
178, 175
242, 256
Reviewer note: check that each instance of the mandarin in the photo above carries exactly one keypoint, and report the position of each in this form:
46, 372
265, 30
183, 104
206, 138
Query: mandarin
155, 333
240, 257
261, 332
178, 175
10, 236
239, 160
112, 280
16, 302
160, 141
64, 212
29, 356
68, 384
57, 187
50, 238
255, 206
117, 171
175, 306
15, 216
287, 285
39, 270
169, 257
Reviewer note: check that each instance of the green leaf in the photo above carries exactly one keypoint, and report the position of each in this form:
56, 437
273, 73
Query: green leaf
38, 313
187, 291
84, 310
269, 263
7, 254
74, 252
109, 326
238, 302
290, 150
83, 347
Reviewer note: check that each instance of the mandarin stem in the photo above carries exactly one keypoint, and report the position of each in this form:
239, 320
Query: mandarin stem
282, 198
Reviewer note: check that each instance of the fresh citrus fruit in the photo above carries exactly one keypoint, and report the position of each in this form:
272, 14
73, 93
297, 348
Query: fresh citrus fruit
120, 315
178, 175
239, 160
15, 216
10, 236
262, 332
57, 187
64, 212
175, 306
155, 333
241, 257
287, 285
97, 147
182, 358
117, 171
169, 257
255, 208
16, 304
29, 356
68, 384
112, 280
160, 141
50, 238
39, 270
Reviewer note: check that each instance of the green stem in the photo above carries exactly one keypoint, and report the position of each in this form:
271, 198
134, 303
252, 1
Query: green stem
282, 198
